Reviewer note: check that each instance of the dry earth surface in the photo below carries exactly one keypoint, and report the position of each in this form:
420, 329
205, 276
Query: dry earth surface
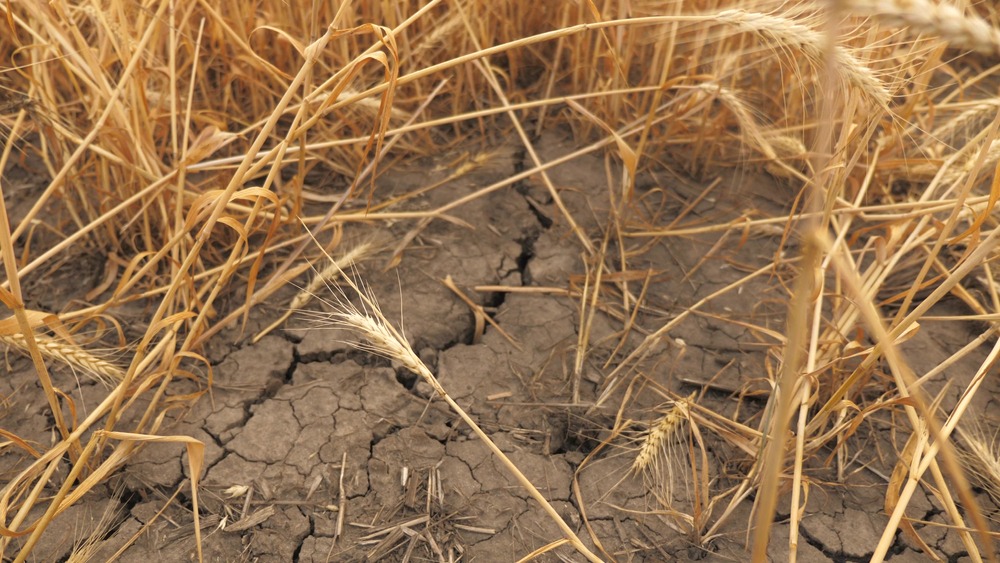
319, 452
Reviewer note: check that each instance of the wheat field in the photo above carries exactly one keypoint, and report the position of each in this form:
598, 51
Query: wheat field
186, 166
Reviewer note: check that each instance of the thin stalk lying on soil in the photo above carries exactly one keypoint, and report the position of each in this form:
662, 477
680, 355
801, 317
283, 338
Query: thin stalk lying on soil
383, 339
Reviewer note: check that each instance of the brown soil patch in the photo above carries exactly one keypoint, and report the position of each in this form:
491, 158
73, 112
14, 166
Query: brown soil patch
318, 452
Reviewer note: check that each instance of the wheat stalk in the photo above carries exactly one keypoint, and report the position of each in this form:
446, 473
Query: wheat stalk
383, 339
965, 31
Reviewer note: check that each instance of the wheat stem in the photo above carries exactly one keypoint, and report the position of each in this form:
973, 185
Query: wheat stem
384, 340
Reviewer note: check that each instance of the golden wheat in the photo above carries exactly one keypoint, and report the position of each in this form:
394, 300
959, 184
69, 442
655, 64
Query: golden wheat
783, 33
660, 436
981, 455
956, 132
322, 279
966, 166
71, 355
744, 116
787, 148
965, 31
384, 340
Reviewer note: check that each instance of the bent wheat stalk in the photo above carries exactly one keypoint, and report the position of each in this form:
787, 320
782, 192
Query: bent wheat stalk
383, 339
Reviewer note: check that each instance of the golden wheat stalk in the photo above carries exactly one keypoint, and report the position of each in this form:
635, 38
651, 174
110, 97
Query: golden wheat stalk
965, 31
383, 339
71, 355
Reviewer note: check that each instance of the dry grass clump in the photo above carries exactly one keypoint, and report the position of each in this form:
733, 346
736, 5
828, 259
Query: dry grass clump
183, 142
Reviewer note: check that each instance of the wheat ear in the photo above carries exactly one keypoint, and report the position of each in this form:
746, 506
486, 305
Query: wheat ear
655, 460
965, 31
964, 167
660, 436
957, 130
788, 33
981, 455
72, 355
322, 279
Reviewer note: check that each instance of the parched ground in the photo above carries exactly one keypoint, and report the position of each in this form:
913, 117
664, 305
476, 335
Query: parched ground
318, 452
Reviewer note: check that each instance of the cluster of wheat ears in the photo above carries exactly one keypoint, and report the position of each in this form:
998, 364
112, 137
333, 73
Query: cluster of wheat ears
178, 139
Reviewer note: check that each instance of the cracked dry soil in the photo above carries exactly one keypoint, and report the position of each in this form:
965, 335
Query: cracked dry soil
342, 456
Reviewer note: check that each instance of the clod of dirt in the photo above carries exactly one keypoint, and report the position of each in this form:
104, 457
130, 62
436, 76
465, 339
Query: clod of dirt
246, 376
779, 549
278, 538
556, 257
319, 343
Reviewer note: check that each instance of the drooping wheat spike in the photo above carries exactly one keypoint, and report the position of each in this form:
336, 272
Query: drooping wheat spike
966, 166
786, 33
959, 29
87, 549
71, 355
981, 456
381, 341
957, 131
775, 148
660, 436
322, 279
744, 116
440, 34
657, 459
788, 149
